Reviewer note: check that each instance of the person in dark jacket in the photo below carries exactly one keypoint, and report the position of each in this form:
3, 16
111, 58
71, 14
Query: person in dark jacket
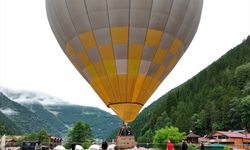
202, 146
184, 145
104, 145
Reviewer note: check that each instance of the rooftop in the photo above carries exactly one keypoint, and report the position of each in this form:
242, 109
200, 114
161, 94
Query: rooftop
234, 134
192, 135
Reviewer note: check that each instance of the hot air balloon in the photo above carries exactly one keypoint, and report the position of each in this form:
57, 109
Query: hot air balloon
124, 48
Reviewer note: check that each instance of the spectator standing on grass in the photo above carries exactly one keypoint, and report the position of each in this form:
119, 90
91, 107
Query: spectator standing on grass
170, 146
202, 147
104, 145
184, 145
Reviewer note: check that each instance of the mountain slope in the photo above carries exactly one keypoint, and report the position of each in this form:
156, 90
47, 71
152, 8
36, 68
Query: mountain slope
101, 122
217, 98
26, 120
47, 116
35, 102
61, 115
7, 126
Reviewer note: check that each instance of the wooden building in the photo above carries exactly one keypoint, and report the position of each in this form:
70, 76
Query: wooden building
231, 139
192, 138
10, 143
246, 140
203, 139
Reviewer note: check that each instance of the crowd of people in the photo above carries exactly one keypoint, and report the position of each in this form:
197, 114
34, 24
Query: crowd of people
169, 146
184, 146
113, 146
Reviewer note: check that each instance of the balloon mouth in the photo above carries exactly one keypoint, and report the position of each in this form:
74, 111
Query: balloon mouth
127, 111
124, 103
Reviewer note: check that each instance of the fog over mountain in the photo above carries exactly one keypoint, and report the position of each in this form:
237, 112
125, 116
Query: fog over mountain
8, 111
32, 97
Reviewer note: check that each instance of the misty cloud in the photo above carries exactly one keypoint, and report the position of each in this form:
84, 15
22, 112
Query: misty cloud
8, 111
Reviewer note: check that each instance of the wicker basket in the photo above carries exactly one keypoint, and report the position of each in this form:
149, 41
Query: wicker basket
125, 142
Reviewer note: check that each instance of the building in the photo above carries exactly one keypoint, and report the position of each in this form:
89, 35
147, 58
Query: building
192, 138
204, 139
10, 142
232, 139
246, 140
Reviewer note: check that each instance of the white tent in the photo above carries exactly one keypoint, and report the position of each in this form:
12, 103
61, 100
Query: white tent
111, 147
135, 148
3, 142
59, 147
79, 147
94, 147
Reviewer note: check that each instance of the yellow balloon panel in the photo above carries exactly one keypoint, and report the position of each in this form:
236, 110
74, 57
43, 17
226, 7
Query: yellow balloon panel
133, 85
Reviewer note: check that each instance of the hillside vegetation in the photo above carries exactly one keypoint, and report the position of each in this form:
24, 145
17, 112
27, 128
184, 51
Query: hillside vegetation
7, 126
217, 98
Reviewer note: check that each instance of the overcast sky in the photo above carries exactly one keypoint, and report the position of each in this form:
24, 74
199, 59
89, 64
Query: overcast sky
31, 59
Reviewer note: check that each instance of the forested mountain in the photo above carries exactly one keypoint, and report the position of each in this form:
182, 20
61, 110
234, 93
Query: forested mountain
7, 126
63, 117
34, 111
26, 120
217, 98
101, 122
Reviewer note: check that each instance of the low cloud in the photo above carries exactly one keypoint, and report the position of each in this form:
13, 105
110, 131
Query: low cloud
9, 111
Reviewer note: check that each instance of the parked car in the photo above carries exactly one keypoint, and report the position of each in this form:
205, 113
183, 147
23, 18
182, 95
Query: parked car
29, 145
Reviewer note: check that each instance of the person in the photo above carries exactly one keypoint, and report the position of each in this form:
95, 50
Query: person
73, 146
122, 131
170, 146
129, 131
184, 145
202, 146
104, 145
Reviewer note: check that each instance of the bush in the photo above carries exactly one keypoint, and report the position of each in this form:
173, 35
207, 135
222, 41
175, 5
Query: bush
86, 145
192, 147
226, 148
168, 133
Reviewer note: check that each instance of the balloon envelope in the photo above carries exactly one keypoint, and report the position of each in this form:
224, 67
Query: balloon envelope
124, 48
78, 147
59, 147
94, 147
111, 147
